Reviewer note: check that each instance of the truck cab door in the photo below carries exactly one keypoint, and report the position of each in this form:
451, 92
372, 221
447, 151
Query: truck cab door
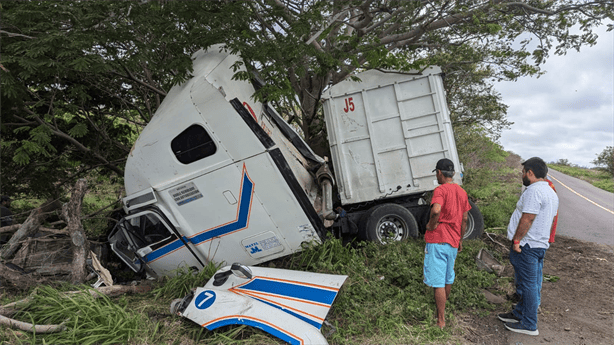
143, 240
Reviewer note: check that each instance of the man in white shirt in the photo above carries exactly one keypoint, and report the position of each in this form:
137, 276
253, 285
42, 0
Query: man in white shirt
529, 230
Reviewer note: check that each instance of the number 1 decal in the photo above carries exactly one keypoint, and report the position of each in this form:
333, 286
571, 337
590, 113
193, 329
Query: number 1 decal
205, 299
349, 105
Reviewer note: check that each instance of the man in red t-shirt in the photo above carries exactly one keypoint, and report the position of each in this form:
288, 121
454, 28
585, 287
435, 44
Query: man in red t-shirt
444, 235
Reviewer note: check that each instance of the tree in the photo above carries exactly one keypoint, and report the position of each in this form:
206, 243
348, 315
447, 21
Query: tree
606, 159
302, 47
81, 78
79, 81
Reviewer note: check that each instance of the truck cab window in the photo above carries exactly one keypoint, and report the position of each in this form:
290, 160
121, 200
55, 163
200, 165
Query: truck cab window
193, 144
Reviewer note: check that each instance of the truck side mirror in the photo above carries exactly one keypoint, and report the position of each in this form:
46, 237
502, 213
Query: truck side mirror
241, 271
237, 269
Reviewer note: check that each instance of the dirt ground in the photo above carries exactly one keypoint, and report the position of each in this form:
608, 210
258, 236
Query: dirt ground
577, 309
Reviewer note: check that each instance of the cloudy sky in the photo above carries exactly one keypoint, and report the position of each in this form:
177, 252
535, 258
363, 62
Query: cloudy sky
568, 113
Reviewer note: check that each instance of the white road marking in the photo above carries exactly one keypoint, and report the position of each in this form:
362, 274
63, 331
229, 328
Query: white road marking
580, 195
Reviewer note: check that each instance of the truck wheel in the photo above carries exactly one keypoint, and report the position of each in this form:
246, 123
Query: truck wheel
475, 223
388, 222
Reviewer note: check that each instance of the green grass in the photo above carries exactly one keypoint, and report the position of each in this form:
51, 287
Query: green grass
382, 301
88, 320
496, 193
597, 177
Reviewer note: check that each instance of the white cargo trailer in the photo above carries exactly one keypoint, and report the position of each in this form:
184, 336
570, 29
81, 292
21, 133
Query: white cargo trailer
386, 131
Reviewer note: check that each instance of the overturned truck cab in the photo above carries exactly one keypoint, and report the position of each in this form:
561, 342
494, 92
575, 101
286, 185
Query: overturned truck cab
218, 177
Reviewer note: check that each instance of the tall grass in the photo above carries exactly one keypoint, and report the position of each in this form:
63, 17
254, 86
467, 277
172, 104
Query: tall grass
184, 280
384, 299
597, 177
88, 320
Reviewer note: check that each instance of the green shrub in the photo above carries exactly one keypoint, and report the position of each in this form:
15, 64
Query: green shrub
607, 185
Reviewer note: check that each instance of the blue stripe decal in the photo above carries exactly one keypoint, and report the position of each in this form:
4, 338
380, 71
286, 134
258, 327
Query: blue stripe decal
245, 203
316, 324
273, 331
291, 290
156, 254
241, 222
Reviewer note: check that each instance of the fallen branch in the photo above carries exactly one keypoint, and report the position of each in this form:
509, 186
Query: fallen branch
28, 327
19, 279
15, 227
505, 248
29, 227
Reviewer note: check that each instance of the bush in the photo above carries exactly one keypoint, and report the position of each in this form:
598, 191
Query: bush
491, 178
605, 160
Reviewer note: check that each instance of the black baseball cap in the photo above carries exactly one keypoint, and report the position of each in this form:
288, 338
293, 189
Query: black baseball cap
444, 164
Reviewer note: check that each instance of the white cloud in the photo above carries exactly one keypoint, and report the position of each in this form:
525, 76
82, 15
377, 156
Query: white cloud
568, 113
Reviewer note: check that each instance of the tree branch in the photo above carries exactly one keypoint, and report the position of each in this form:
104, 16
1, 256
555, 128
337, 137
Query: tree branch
12, 34
73, 141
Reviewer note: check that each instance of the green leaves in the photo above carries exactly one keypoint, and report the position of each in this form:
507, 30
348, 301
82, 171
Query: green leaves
79, 130
108, 61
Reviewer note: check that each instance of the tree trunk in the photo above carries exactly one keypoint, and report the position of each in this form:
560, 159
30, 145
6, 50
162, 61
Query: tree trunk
28, 228
309, 88
71, 213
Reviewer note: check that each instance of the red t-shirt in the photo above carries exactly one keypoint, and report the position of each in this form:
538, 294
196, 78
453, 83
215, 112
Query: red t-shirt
454, 202
556, 218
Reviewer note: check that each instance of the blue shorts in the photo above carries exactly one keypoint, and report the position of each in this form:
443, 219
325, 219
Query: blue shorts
439, 264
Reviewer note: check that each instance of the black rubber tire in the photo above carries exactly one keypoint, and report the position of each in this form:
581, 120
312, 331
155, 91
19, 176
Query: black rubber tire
475, 223
394, 219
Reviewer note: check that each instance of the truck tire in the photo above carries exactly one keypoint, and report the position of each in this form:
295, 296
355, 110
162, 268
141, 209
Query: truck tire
386, 223
475, 223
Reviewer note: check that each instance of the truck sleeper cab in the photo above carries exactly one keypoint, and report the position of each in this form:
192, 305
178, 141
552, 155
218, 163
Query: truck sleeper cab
217, 177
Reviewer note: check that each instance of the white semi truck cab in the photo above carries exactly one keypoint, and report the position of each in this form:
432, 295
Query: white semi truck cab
216, 176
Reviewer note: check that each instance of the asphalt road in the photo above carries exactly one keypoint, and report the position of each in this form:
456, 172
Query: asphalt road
585, 211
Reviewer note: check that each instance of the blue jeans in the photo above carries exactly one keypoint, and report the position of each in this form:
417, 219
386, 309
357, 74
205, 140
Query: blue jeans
528, 266
540, 279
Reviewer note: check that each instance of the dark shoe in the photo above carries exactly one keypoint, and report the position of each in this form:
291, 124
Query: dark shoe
518, 328
508, 317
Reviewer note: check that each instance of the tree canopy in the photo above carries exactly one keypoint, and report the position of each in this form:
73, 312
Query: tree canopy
605, 160
81, 78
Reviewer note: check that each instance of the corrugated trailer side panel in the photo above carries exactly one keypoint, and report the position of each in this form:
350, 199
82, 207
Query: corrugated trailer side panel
386, 133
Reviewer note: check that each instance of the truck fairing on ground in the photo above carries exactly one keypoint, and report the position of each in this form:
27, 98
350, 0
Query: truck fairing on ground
291, 305
218, 177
